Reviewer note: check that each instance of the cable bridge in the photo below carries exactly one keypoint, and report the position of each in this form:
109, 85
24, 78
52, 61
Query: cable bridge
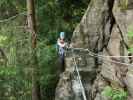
77, 75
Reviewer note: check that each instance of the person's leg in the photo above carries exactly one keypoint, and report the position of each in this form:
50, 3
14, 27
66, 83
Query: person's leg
62, 63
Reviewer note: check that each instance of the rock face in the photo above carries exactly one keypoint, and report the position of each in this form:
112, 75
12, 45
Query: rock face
64, 89
103, 30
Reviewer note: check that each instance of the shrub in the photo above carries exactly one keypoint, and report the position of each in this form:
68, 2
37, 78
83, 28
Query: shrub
114, 94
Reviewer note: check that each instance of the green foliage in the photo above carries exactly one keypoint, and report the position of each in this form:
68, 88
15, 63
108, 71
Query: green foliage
130, 36
11, 71
130, 33
11, 5
59, 15
13, 85
130, 49
124, 4
114, 94
107, 91
47, 57
2, 40
52, 17
15, 78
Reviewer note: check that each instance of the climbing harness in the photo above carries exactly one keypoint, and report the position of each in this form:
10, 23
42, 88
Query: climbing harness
62, 59
61, 51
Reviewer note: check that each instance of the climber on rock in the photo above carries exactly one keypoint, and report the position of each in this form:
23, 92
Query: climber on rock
61, 49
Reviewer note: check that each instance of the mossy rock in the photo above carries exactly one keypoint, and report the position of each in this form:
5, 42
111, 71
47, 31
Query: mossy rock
123, 4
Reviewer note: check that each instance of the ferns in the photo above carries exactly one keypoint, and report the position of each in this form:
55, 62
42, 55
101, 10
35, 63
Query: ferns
114, 94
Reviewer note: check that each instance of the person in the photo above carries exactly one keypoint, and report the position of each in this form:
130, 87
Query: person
61, 49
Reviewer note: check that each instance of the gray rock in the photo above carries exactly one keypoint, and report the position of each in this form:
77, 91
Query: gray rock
103, 30
64, 88
129, 82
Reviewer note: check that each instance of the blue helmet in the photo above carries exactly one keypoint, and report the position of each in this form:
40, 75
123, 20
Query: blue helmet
62, 35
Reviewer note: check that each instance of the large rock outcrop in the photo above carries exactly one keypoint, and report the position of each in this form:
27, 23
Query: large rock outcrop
103, 30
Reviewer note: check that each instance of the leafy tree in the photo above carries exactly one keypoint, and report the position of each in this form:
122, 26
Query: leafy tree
53, 16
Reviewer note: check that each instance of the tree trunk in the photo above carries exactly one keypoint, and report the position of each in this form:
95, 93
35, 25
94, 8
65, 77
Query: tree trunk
34, 64
3, 56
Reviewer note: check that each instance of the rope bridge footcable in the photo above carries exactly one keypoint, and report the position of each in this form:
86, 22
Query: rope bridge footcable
79, 78
104, 56
93, 55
